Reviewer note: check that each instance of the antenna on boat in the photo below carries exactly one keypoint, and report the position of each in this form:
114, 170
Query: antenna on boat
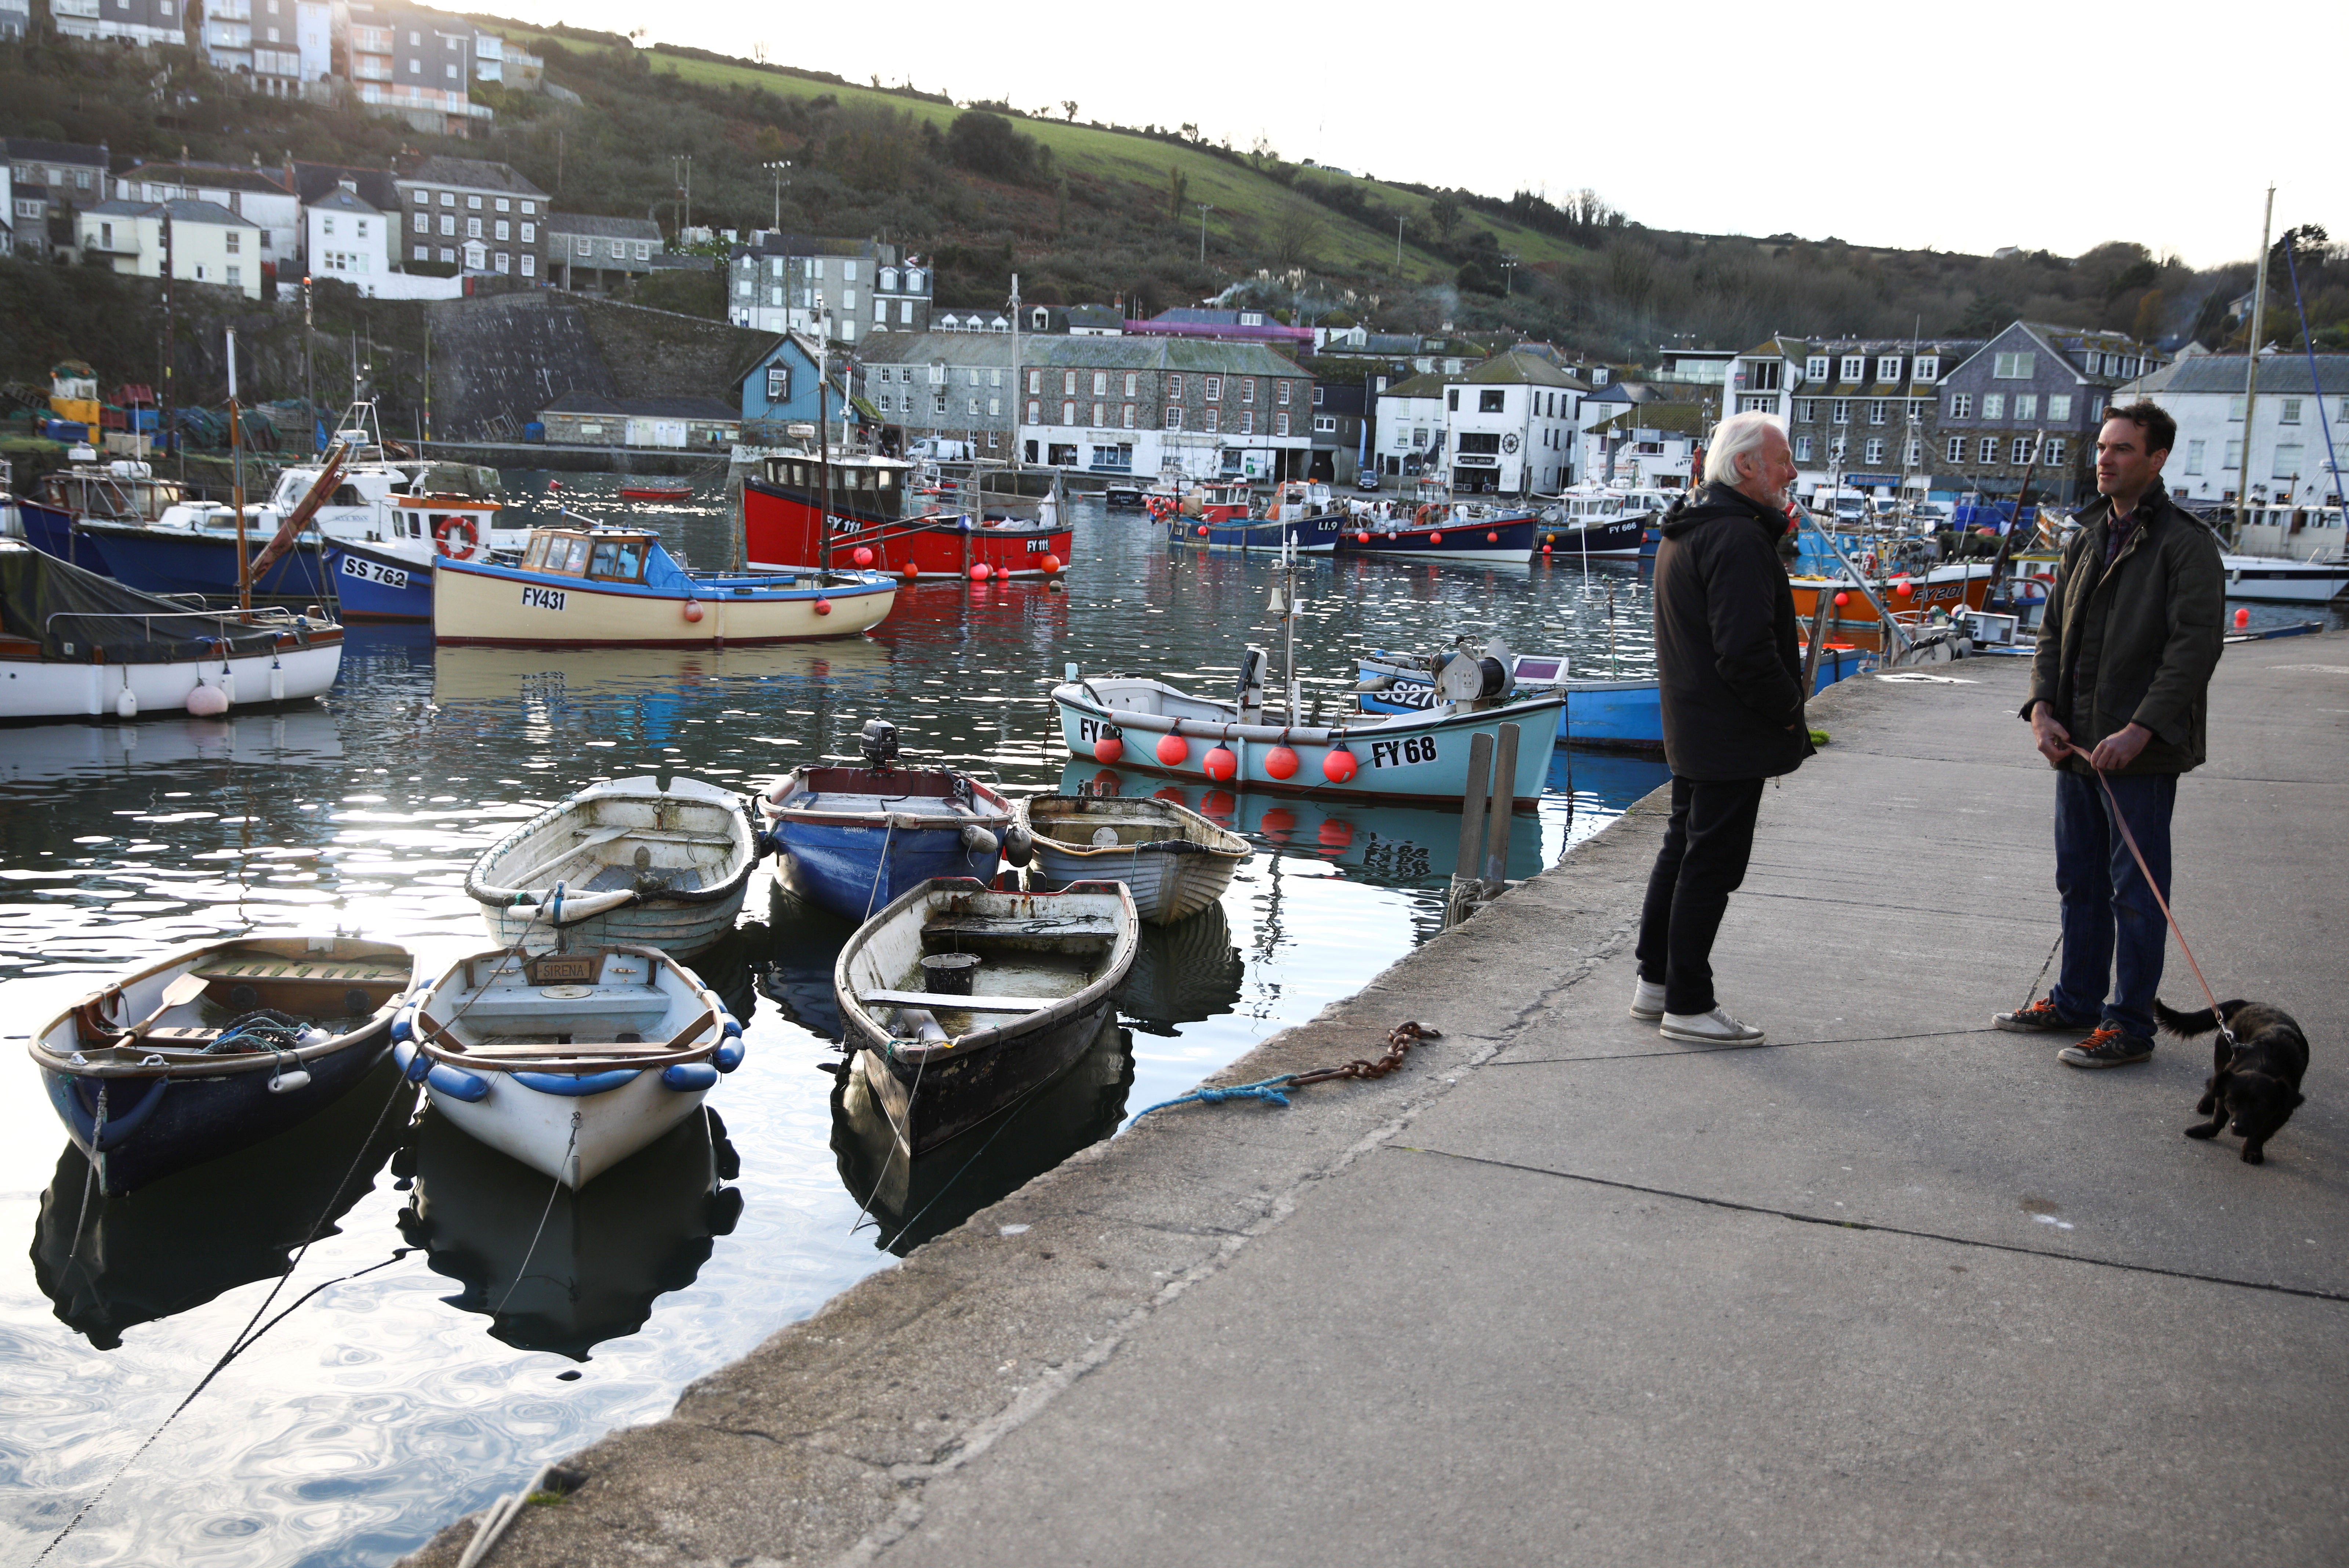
1284, 604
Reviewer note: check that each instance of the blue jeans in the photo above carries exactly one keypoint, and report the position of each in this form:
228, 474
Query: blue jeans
2113, 933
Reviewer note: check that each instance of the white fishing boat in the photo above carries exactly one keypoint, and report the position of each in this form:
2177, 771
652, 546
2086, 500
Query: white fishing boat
569, 1062
623, 861
2280, 579
965, 1000
75, 645
1174, 861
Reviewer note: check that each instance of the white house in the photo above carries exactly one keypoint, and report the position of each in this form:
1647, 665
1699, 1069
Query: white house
348, 238
261, 197
1410, 424
2290, 421
1511, 424
208, 243
1649, 446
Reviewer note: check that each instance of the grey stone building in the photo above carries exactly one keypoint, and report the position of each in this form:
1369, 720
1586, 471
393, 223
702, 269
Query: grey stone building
49, 183
1865, 413
595, 256
469, 214
845, 289
2033, 384
950, 386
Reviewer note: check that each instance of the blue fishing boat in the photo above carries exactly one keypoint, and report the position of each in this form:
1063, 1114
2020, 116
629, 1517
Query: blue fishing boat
50, 530
216, 1048
852, 839
373, 584
194, 551
1298, 512
1461, 531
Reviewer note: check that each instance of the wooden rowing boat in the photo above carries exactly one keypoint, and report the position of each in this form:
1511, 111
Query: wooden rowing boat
1174, 861
1046, 976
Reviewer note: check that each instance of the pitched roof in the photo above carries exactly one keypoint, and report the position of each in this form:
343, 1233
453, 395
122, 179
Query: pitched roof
341, 201
602, 228
32, 147
947, 348
1521, 367
216, 176
311, 182
1430, 385
469, 173
184, 210
1203, 356
774, 243
2223, 373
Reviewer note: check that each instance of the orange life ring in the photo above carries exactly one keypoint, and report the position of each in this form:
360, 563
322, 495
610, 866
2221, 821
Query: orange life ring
1424, 516
448, 531
2046, 582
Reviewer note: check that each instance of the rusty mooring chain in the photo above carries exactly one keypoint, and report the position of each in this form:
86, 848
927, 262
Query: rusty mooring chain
1400, 1040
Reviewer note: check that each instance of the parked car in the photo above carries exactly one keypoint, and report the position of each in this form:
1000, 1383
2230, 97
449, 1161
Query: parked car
1367, 480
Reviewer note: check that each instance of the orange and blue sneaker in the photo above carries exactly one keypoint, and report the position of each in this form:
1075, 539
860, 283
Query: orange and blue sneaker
2106, 1047
2041, 1017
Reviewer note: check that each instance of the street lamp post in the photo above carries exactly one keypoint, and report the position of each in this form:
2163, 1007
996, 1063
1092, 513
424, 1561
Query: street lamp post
779, 169
1509, 274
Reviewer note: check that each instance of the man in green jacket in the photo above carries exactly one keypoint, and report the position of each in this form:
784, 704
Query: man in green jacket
2119, 689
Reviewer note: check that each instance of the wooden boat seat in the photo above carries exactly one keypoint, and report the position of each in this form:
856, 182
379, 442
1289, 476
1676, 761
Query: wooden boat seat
577, 1048
347, 972
942, 1003
603, 1002
650, 836
1060, 928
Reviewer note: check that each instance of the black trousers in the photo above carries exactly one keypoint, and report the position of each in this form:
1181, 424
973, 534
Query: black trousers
1706, 845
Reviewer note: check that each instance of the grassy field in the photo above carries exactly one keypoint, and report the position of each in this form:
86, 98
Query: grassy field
1248, 205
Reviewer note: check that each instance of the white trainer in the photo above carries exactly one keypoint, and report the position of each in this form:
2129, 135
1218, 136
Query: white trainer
1647, 1001
1714, 1028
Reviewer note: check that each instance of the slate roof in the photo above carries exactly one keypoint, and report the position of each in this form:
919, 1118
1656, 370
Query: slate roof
472, 174
2286, 374
219, 177
31, 149
958, 349
184, 210
1523, 367
1430, 385
313, 181
341, 201
601, 227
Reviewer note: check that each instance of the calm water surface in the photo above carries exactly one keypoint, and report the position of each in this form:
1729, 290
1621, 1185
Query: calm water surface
431, 1370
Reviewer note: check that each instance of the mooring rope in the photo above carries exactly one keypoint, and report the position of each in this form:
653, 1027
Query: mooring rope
1400, 1038
521, 1270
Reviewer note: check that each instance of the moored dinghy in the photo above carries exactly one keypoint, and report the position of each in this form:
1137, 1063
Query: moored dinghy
216, 1048
1175, 861
852, 839
569, 1062
965, 1000
622, 861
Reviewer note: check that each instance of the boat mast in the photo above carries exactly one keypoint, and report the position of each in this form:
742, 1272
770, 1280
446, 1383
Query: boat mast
823, 453
2251, 371
236, 484
1019, 390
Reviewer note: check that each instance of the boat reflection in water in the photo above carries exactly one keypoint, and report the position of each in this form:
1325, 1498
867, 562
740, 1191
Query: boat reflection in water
794, 972
731, 967
178, 1241
912, 1200
504, 674
605, 1253
1182, 973
1385, 846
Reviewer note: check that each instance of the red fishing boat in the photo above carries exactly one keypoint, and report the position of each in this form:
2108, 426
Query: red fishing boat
875, 525
655, 490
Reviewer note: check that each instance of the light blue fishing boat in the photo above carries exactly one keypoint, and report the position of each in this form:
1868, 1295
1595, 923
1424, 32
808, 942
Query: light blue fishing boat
1625, 713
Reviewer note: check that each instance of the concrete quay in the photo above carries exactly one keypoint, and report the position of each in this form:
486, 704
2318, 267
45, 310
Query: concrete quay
1894, 1287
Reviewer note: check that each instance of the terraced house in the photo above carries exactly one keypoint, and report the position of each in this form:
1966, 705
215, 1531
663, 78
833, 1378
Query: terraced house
1861, 413
595, 256
2028, 403
472, 215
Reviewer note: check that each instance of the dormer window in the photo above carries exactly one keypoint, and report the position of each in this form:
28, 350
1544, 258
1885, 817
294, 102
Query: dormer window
1928, 368
1855, 367
1814, 369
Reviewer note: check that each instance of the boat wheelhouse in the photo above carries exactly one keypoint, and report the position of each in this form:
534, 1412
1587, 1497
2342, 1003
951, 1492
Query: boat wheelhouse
864, 502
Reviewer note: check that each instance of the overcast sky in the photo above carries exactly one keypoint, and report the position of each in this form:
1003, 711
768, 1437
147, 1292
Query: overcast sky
2040, 123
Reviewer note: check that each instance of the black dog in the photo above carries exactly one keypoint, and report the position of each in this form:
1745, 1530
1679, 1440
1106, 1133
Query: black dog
2255, 1087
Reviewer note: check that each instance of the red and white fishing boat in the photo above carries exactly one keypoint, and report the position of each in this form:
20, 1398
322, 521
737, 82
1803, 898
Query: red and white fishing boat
876, 526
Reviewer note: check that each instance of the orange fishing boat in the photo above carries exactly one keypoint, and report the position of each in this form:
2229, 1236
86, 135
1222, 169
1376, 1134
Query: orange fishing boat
1959, 586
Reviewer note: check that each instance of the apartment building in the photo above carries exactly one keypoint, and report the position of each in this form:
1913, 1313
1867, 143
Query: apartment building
844, 289
470, 214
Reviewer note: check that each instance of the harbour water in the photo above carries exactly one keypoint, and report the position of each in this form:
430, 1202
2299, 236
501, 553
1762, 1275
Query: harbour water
422, 1367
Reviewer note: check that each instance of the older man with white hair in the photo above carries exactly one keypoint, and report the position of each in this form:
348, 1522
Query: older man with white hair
1732, 681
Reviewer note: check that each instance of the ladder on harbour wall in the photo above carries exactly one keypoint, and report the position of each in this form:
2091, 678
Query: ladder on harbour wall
1486, 811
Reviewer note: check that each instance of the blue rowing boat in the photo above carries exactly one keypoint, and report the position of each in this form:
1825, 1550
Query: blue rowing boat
853, 839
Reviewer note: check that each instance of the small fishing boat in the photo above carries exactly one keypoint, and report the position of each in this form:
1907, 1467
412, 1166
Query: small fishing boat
623, 861
1174, 861
965, 1001
571, 1061
75, 645
216, 1048
852, 839
1298, 513
1590, 519
617, 587
994, 523
565, 1276
1909, 597
647, 490
1628, 714
1455, 531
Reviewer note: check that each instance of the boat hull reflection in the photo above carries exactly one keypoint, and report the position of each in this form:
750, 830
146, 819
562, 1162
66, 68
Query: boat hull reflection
178, 1241
1183, 973
604, 1253
912, 1200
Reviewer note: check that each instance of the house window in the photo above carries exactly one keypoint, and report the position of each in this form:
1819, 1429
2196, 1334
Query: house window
1854, 367
2235, 408
1280, 393
448, 198
2059, 406
447, 253
502, 229
1839, 411
1214, 387
326, 226
1957, 452
2290, 414
424, 253
529, 265
505, 261
1247, 422
1451, 399
1928, 368
1875, 411
1325, 424
2234, 459
1174, 419
2194, 456
236, 280
1035, 383
993, 408
1280, 424
448, 223
1173, 391
1802, 449
1492, 402
474, 203
2014, 366
1835, 449
2026, 405
1994, 405
505, 205
779, 383
2288, 459
2019, 451
1876, 452
1888, 369
1101, 386
1986, 450
1247, 391
1916, 454
1962, 405
2052, 454
1208, 422
234, 241
1814, 369
472, 228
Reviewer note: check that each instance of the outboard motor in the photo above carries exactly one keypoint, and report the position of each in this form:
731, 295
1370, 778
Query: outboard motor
1253, 664
878, 742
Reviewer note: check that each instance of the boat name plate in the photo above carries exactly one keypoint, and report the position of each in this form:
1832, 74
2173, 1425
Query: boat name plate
562, 969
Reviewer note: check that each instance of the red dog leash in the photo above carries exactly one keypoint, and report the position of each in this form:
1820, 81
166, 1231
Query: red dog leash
2129, 838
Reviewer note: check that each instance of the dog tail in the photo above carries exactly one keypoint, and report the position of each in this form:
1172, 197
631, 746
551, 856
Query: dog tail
2201, 1021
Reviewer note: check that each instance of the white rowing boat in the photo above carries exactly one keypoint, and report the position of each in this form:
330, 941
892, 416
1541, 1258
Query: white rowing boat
1174, 861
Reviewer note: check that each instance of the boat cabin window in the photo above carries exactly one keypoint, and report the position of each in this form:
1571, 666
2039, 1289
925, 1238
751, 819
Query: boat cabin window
566, 553
348, 496
617, 560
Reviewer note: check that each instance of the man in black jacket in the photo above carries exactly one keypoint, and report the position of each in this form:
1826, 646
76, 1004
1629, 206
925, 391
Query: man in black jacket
1732, 684
2118, 689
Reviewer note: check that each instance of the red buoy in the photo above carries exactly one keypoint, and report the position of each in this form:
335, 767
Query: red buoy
1544, 549
2243, 618
980, 573
1339, 765
861, 555
1902, 589
1492, 538
1842, 599
1281, 763
909, 573
1220, 762
1108, 749
1363, 538
1435, 538
692, 610
1203, 530
1173, 749
1051, 565
823, 606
